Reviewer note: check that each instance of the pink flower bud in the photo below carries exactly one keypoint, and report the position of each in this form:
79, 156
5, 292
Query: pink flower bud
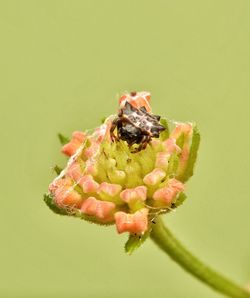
79, 136
171, 147
132, 194
179, 186
74, 171
71, 148
100, 209
109, 189
102, 132
154, 177
168, 193
162, 159
57, 183
185, 130
76, 141
92, 150
181, 128
90, 167
66, 196
133, 223
136, 99
88, 184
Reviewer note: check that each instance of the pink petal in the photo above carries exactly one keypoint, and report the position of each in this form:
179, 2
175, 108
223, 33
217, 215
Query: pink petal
132, 223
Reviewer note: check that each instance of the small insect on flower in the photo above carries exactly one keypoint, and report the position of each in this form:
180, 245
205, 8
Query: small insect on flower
135, 125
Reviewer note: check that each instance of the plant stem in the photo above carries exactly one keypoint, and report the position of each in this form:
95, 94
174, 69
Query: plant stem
169, 244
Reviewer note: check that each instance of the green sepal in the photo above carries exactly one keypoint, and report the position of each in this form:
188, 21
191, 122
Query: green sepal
63, 140
180, 200
173, 164
180, 140
57, 169
48, 199
164, 134
135, 241
188, 172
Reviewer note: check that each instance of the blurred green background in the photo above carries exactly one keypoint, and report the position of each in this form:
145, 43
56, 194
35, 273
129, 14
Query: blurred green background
62, 64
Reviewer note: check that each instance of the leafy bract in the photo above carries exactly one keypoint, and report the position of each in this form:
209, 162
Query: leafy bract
164, 134
50, 203
135, 241
63, 140
192, 155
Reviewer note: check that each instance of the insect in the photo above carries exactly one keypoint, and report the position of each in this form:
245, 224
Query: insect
135, 126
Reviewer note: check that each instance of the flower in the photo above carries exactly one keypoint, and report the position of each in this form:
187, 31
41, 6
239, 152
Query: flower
106, 181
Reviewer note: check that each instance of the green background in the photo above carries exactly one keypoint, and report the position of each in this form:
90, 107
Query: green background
62, 64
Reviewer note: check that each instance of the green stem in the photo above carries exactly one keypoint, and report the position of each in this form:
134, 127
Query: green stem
169, 244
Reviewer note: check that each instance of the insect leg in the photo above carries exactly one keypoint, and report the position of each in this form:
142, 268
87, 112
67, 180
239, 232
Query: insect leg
143, 144
113, 127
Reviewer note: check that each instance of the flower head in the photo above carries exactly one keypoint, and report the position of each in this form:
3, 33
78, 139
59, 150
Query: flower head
124, 174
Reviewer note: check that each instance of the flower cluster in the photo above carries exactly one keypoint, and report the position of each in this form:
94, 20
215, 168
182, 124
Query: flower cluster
107, 183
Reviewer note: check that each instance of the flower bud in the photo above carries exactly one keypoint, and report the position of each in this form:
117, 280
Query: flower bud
137, 99
88, 184
168, 193
65, 195
136, 223
100, 209
128, 170
76, 141
154, 177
